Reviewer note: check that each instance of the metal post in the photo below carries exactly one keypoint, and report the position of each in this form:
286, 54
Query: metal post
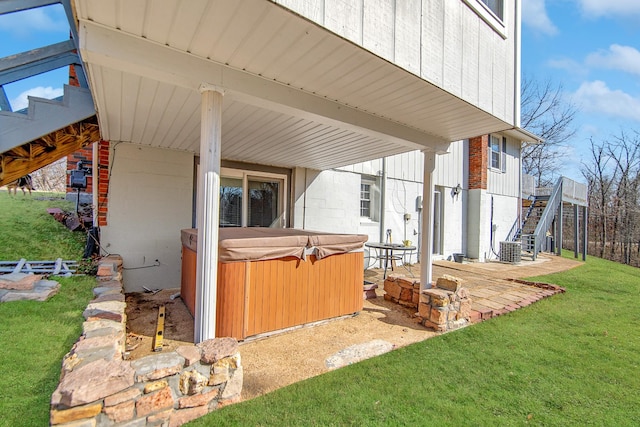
426, 239
585, 233
559, 230
208, 205
576, 231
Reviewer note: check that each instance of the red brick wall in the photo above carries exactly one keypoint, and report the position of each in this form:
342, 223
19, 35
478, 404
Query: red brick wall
478, 162
103, 181
86, 155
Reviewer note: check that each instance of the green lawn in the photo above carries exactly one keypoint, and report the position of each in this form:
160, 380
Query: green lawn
34, 336
573, 359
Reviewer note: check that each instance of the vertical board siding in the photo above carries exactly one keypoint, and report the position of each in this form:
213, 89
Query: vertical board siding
470, 52
508, 183
431, 68
408, 18
188, 280
264, 296
378, 27
230, 299
446, 43
453, 59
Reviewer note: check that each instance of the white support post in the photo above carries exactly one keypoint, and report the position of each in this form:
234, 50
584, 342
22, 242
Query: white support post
208, 205
426, 239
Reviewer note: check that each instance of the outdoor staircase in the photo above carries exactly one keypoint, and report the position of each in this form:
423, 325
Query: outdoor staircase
533, 208
541, 211
48, 129
44, 116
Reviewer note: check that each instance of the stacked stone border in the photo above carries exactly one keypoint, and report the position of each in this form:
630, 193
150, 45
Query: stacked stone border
447, 306
548, 290
99, 387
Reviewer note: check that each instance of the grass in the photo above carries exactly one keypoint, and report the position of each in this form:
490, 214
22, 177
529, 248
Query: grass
28, 231
572, 359
34, 336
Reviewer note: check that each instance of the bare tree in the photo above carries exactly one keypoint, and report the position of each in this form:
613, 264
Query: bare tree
599, 181
52, 177
613, 175
626, 154
546, 112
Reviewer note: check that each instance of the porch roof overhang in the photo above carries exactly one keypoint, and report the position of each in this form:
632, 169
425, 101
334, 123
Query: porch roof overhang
296, 94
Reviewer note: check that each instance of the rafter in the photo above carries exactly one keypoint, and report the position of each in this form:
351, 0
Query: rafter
33, 155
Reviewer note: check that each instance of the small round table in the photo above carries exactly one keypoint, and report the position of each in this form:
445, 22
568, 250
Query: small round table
384, 252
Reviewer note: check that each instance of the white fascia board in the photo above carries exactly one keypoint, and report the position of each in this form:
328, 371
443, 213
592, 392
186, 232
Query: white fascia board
106, 47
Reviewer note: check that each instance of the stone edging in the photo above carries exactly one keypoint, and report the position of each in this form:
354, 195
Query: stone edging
99, 388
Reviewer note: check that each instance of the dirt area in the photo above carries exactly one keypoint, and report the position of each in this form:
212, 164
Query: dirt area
285, 358
142, 317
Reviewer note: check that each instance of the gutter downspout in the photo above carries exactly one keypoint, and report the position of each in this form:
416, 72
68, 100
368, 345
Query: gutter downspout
517, 60
383, 199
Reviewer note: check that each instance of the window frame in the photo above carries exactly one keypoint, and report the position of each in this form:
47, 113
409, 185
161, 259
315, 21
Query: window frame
489, 17
501, 153
369, 185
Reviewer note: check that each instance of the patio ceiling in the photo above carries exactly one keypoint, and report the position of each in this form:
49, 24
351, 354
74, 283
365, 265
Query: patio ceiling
295, 93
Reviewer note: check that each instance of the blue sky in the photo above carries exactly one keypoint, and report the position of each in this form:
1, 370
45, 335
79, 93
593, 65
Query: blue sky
591, 47
28, 30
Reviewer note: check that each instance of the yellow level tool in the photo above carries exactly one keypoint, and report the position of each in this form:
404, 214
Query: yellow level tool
157, 340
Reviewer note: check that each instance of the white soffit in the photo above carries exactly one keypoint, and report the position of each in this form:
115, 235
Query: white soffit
295, 93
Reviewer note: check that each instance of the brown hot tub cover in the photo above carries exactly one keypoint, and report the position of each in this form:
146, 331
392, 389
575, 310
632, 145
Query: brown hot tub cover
258, 244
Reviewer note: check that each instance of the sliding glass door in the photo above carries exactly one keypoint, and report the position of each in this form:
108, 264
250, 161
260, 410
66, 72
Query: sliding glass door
252, 199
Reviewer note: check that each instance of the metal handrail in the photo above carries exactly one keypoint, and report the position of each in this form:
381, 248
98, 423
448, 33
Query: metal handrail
548, 214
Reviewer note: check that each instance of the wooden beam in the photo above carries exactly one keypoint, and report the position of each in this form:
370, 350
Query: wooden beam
33, 155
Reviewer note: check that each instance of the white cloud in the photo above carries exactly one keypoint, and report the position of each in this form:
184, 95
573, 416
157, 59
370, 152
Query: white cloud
21, 101
42, 19
624, 58
534, 15
622, 8
571, 66
597, 97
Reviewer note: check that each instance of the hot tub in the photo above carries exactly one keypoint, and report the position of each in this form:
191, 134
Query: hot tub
272, 279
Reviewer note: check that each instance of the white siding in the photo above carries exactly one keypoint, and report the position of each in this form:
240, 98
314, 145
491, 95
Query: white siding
447, 43
507, 183
452, 168
150, 193
326, 201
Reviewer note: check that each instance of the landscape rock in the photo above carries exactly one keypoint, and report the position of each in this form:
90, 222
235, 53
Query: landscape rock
19, 281
94, 381
157, 366
191, 354
74, 414
217, 348
192, 382
154, 402
358, 352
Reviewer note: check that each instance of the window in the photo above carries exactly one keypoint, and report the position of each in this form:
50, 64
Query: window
369, 198
249, 198
365, 200
496, 6
498, 152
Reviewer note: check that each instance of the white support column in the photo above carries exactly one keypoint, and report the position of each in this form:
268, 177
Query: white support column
426, 239
208, 205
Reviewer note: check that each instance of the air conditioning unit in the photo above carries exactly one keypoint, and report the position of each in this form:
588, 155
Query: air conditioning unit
510, 252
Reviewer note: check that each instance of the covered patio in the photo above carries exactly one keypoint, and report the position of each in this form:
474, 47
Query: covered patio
253, 82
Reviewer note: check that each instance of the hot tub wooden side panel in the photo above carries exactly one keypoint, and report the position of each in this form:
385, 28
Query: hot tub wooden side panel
288, 292
264, 296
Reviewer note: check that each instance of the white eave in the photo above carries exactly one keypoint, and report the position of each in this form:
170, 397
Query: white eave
295, 93
523, 135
